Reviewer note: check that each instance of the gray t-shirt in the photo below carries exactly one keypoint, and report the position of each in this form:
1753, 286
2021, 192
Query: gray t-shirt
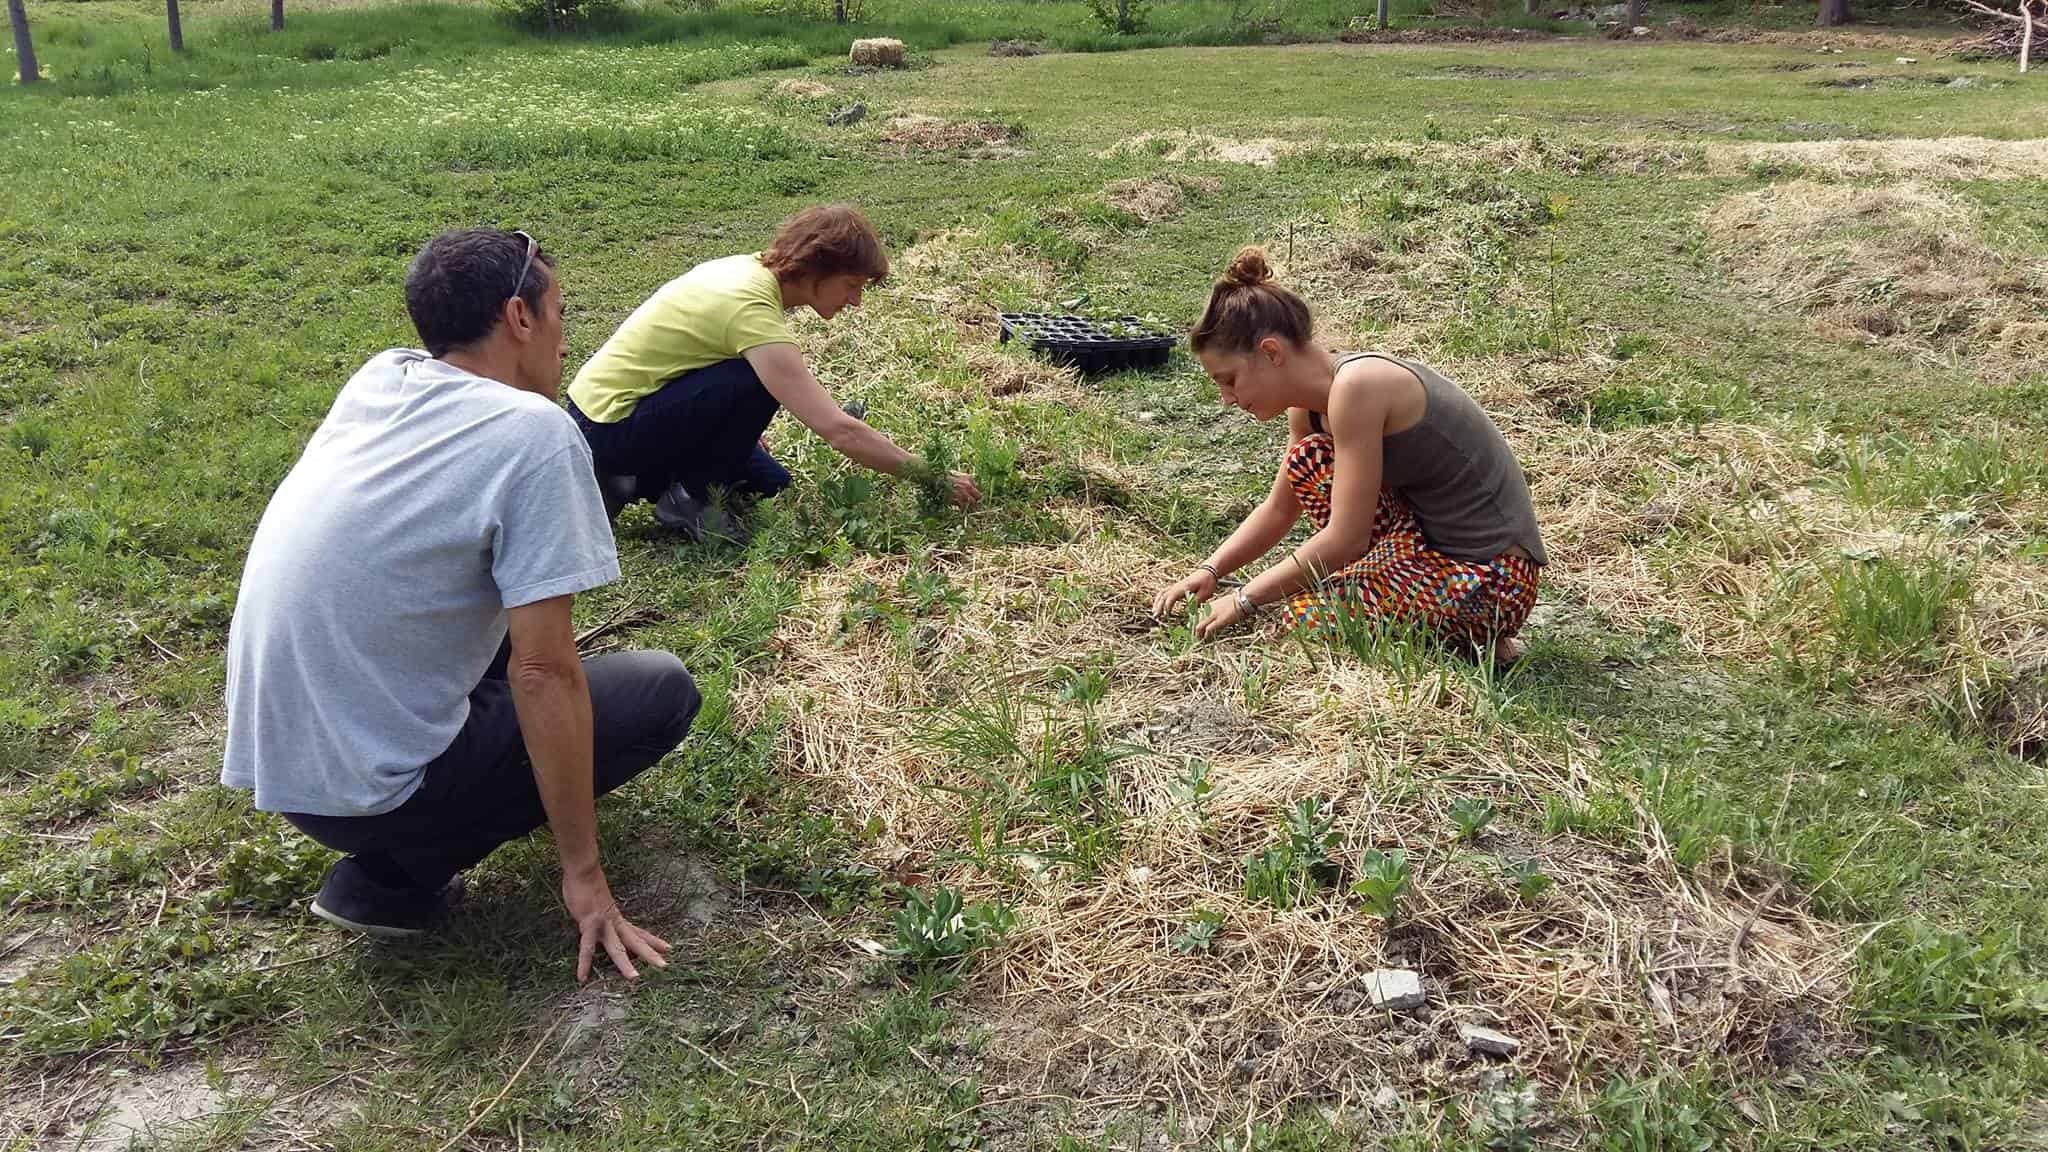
429, 502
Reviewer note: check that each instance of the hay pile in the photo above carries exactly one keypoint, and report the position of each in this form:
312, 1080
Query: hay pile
1945, 158
802, 89
1155, 198
1179, 145
1900, 264
937, 134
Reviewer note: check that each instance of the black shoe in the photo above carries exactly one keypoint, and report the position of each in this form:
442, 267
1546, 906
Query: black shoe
679, 511
618, 491
349, 899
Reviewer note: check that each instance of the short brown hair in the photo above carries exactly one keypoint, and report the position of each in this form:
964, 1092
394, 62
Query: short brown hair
827, 240
1246, 306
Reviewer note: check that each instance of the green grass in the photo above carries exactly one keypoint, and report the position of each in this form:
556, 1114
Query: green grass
196, 252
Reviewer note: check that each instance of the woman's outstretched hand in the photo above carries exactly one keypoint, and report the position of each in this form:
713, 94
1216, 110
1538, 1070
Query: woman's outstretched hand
1199, 584
966, 493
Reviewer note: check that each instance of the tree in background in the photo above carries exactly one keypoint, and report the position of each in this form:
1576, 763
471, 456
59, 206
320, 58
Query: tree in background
24, 48
1834, 13
277, 15
1635, 13
177, 30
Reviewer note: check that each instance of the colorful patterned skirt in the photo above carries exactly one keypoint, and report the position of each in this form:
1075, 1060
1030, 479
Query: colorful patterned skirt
1400, 579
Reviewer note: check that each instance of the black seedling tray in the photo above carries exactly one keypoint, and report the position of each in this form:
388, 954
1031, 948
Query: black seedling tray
1085, 343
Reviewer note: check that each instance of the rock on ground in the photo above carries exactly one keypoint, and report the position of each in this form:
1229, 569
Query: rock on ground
1488, 1041
1395, 989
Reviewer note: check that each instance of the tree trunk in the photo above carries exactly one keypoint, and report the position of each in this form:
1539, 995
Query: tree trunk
1834, 13
1635, 13
2027, 32
839, 11
24, 48
277, 15
177, 29
1383, 15
1532, 7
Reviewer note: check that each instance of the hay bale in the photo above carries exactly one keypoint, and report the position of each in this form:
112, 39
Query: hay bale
880, 52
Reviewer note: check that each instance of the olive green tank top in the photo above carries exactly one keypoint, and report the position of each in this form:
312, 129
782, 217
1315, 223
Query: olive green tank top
1457, 471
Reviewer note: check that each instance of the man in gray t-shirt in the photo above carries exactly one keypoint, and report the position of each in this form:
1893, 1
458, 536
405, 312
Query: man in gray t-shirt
403, 683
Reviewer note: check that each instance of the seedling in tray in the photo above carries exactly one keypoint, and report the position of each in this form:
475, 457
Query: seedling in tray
1108, 344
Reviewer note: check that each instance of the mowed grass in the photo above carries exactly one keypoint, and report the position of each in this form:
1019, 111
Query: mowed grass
1793, 576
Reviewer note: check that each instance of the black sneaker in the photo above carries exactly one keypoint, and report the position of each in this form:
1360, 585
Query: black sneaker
681, 512
618, 491
349, 899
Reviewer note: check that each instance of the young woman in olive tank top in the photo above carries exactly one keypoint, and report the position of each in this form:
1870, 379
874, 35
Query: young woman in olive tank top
1421, 512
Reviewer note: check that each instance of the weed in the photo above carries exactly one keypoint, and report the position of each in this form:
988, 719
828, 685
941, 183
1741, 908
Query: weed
1472, 814
943, 928
1191, 790
1529, 879
1199, 936
1290, 871
1383, 881
1882, 608
1085, 686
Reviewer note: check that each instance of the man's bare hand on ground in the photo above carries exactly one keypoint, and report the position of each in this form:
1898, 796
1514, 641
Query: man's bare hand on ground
599, 921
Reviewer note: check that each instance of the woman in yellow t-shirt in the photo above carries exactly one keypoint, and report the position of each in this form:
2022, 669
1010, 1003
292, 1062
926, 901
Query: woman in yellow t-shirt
675, 403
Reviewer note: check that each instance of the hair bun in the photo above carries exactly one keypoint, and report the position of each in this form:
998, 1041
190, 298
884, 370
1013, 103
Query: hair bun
1249, 269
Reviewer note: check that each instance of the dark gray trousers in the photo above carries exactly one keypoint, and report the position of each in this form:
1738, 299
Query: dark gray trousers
481, 792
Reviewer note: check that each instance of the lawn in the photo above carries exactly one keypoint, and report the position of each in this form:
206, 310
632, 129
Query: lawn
1748, 852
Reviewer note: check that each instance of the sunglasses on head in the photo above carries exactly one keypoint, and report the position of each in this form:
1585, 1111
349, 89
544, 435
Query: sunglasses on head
532, 250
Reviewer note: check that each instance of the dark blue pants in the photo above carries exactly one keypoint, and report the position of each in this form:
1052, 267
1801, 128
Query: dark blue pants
702, 428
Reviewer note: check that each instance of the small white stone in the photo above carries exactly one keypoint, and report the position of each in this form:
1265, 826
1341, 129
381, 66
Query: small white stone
1395, 989
1909, 60
1488, 1041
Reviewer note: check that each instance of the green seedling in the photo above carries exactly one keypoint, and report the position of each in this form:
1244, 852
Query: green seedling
1383, 881
1192, 790
1472, 814
1083, 686
1528, 878
1199, 936
945, 928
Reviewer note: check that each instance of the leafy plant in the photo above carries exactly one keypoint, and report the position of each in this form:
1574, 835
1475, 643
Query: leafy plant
1286, 873
1472, 814
1122, 17
1383, 881
944, 928
932, 473
1199, 936
1084, 685
555, 15
1192, 790
1310, 837
1529, 879
930, 590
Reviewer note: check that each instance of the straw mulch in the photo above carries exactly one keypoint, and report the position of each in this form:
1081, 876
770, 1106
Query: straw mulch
1625, 958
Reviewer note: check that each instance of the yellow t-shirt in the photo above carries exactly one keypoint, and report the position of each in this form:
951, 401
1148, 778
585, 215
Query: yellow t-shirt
715, 311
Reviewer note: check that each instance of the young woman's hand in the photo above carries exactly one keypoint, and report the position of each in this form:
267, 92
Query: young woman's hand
1200, 584
1221, 615
966, 493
